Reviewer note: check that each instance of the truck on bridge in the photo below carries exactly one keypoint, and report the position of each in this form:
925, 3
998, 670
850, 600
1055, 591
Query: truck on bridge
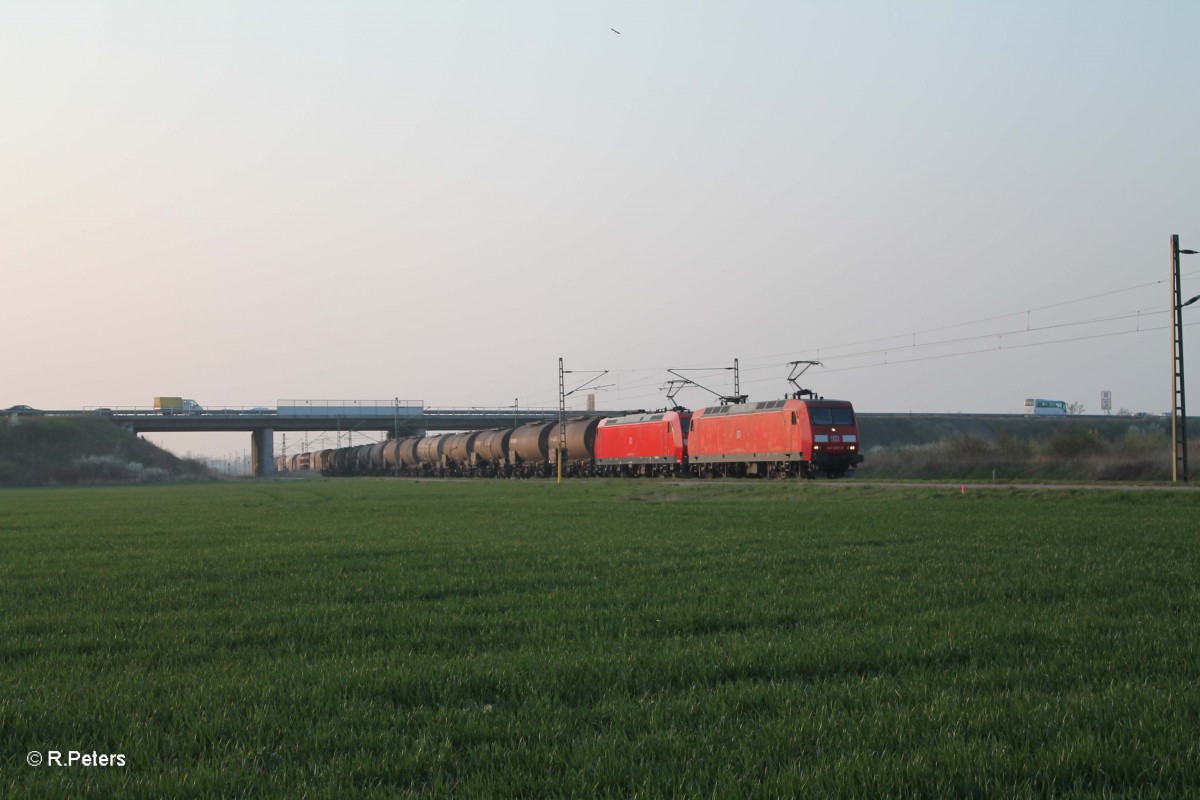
177, 405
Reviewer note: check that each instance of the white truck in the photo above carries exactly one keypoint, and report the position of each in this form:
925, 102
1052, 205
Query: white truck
177, 405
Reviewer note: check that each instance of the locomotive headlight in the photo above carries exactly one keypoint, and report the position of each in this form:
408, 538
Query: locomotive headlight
853, 447
816, 447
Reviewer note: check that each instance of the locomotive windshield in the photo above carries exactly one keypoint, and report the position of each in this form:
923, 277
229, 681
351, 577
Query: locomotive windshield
823, 415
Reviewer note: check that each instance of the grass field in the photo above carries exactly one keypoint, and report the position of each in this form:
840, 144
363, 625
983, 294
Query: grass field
599, 639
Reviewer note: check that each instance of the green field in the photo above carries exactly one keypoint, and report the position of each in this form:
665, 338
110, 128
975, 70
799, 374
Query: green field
599, 639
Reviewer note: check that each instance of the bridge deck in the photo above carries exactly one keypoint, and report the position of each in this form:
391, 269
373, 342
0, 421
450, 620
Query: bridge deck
239, 421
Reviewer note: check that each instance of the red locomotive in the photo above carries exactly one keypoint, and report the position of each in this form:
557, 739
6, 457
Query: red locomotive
643, 444
776, 437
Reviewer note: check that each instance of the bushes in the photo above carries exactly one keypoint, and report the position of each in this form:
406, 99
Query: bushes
112, 469
1142, 442
85, 450
967, 446
1070, 452
1074, 441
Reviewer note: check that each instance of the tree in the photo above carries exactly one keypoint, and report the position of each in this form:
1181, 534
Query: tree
1075, 408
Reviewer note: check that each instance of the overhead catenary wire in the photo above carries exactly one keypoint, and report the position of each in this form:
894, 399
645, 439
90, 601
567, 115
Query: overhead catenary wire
824, 351
982, 320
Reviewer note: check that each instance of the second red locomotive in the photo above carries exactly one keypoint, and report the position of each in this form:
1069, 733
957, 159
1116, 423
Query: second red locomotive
643, 444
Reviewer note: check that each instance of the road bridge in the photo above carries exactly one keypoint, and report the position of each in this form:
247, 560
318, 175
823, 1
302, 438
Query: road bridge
263, 423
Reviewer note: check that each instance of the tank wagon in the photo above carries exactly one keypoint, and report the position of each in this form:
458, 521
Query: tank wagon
362, 459
375, 457
793, 437
491, 452
400, 455
529, 449
429, 453
458, 454
578, 457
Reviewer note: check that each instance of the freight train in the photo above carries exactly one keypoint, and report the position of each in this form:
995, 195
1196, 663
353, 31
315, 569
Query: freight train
793, 437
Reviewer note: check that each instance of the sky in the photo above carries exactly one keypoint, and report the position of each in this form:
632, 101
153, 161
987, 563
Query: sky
953, 206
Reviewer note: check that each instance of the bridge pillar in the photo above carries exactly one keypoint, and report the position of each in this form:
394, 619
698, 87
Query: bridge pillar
262, 452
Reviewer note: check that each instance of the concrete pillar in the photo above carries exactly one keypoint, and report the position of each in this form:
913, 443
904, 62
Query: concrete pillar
262, 452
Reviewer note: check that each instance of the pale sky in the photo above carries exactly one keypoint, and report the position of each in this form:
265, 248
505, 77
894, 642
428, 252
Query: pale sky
241, 202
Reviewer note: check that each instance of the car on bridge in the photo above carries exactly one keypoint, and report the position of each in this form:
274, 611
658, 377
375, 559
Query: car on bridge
19, 410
